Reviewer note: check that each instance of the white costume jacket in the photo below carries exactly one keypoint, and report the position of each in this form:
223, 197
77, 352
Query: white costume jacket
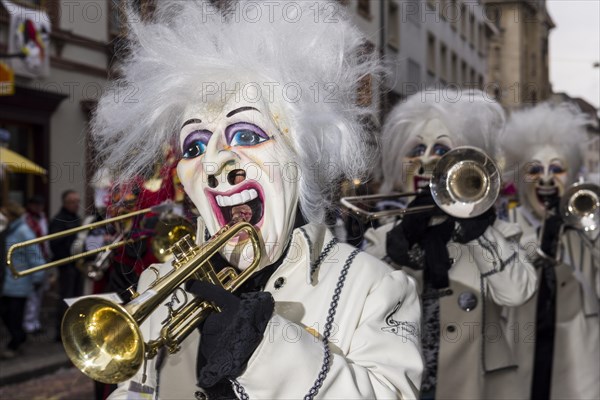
472, 348
374, 341
576, 361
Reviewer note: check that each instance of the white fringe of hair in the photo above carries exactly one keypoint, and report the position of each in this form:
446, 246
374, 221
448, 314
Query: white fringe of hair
178, 57
561, 126
472, 118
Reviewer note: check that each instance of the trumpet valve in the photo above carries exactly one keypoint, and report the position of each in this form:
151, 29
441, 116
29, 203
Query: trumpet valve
183, 250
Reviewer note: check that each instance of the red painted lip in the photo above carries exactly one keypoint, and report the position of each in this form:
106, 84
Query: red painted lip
418, 179
212, 194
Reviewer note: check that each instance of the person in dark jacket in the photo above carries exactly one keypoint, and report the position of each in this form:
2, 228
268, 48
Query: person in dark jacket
70, 280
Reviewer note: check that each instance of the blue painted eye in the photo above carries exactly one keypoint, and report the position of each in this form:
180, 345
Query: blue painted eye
535, 169
417, 151
556, 169
195, 149
246, 137
440, 149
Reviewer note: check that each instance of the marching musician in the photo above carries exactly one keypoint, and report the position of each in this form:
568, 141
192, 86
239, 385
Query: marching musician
263, 107
556, 333
466, 269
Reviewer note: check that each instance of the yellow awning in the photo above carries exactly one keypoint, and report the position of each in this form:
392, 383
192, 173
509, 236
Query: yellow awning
16, 163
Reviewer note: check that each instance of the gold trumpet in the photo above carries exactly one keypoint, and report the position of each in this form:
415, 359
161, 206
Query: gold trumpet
465, 183
103, 339
175, 233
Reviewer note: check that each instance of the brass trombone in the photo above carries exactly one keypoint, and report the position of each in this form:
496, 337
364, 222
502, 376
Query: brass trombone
465, 183
18, 274
103, 339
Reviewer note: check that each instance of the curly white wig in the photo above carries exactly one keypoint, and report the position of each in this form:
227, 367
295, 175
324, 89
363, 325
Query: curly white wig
561, 126
308, 48
472, 118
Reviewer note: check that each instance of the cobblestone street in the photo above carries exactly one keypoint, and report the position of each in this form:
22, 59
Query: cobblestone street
64, 384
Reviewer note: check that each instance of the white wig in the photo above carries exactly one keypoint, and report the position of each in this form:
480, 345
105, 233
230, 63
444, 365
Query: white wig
308, 51
561, 126
472, 118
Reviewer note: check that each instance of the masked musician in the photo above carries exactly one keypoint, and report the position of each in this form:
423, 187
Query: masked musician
261, 100
466, 269
556, 331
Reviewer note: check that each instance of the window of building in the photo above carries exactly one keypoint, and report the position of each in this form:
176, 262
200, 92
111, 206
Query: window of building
472, 31
414, 72
464, 20
481, 42
463, 72
443, 62
393, 25
480, 80
364, 8
454, 68
472, 78
365, 87
431, 53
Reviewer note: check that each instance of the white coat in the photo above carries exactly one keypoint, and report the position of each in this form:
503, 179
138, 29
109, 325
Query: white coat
374, 342
472, 347
576, 362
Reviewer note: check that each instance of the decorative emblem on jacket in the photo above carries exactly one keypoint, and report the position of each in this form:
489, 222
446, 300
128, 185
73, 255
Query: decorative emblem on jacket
405, 329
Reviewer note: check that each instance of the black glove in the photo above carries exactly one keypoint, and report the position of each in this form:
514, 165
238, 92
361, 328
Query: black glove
412, 229
228, 338
471, 228
552, 225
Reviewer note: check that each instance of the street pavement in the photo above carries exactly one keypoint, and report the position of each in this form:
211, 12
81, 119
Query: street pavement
42, 370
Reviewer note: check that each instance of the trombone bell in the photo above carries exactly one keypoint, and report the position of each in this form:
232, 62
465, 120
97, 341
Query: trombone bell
465, 182
580, 206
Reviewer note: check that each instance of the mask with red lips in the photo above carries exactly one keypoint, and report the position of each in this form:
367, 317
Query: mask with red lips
234, 161
545, 175
421, 152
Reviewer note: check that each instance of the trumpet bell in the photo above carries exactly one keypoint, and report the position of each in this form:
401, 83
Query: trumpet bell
465, 182
103, 340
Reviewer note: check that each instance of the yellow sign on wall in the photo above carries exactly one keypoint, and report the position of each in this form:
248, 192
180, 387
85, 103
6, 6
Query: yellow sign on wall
7, 80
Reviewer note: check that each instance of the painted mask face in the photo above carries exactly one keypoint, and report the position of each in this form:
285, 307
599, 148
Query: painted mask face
236, 163
420, 154
545, 175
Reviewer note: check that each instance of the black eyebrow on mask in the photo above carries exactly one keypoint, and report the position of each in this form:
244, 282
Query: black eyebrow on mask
239, 110
191, 121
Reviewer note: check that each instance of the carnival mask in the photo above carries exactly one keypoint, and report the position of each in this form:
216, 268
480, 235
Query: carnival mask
544, 176
420, 154
235, 162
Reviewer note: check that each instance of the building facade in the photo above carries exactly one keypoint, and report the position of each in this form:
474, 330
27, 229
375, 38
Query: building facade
48, 114
518, 59
427, 44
